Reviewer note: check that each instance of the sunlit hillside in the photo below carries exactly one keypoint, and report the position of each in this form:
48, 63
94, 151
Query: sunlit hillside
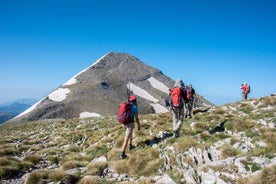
87, 150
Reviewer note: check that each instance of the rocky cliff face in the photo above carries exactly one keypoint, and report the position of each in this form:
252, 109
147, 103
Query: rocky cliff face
100, 88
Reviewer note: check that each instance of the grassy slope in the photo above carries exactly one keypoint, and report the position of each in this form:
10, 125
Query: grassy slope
33, 147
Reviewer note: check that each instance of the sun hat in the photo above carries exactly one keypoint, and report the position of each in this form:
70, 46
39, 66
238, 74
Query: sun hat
132, 98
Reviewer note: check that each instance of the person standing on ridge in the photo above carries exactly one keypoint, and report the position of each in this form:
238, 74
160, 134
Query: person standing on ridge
190, 101
245, 90
178, 98
130, 126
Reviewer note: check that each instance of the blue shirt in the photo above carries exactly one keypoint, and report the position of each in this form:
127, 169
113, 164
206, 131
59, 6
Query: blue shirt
133, 110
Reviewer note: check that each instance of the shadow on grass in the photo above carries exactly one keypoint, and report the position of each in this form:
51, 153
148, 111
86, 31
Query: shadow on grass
162, 136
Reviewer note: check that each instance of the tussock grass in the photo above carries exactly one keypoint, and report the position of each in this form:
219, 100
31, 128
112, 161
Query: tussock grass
270, 138
63, 177
40, 176
184, 143
239, 125
8, 151
7, 172
74, 148
96, 168
234, 140
141, 163
268, 101
34, 158
25, 166
148, 162
97, 151
201, 127
267, 176
245, 107
71, 165
75, 143
94, 180
176, 175
228, 151
205, 136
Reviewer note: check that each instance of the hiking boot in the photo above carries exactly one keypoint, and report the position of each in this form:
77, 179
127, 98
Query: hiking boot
123, 155
130, 147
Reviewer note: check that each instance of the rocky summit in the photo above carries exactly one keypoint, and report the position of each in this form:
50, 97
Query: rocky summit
99, 89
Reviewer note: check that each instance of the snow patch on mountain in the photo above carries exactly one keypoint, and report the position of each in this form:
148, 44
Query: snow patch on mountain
89, 115
144, 94
59, 94
141, 92
158, 85
159, 108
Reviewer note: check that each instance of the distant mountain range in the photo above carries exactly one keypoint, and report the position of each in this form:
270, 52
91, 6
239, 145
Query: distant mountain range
11, 109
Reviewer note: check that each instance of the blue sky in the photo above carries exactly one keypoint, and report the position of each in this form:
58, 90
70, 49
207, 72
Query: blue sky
214, 45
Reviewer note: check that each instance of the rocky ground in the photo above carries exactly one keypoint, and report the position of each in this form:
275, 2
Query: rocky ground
233, 143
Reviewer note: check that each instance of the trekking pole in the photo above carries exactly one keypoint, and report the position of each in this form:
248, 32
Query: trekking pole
128, 92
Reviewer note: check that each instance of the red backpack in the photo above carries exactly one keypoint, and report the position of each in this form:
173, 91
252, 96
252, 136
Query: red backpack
248, 89
176, 97
123, 116
189, 93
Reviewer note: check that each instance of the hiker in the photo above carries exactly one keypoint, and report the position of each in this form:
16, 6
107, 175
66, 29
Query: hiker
190, 101
178, 97
245, 90
130, 126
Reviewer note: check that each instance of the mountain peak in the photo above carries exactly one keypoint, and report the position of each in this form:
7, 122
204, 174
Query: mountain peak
101, 87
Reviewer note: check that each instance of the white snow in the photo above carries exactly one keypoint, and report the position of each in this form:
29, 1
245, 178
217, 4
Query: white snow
144, 94
29, 109
73, 80
158, 85
141, 92
59, 94
159, 108
89, 115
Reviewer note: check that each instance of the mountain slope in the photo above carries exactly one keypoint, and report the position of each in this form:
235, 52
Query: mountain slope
87, 150
100, 88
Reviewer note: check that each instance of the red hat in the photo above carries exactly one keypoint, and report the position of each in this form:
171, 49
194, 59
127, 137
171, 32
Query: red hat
132, 98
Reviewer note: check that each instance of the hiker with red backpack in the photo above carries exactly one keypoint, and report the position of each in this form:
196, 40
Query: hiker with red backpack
190, 101
245, 90
128, 113
178, 98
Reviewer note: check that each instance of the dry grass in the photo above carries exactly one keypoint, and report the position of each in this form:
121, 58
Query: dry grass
96, 168
71, 165
36, 177
7, 172
75, 143
228, 151
33, 158
94, 180
267, 176
184, 143
41, 176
